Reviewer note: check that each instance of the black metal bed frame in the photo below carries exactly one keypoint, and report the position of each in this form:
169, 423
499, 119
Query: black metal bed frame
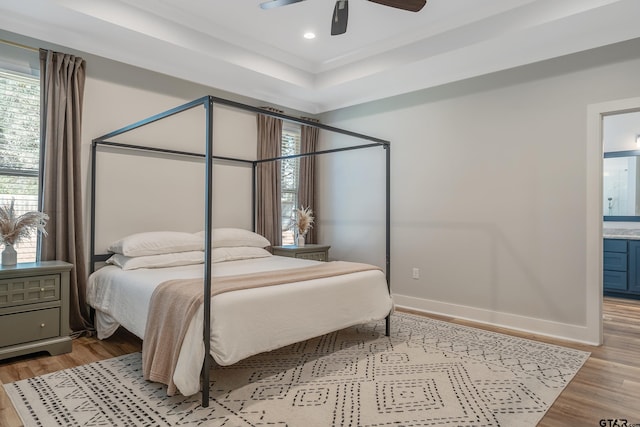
208, 103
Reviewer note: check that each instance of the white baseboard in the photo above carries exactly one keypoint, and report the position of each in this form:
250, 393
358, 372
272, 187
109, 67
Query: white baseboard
573, 333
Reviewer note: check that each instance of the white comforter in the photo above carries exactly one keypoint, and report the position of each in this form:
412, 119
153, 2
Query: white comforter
246, 322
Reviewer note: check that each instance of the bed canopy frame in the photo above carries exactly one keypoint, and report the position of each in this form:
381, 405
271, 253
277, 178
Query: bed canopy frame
208, 103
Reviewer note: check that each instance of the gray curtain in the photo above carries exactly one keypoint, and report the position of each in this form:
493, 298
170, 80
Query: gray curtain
307, 185
269, 210
62, 90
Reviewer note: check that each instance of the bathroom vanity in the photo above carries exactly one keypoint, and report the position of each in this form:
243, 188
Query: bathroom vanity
621, 263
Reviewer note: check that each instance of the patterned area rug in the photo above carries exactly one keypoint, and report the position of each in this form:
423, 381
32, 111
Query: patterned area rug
428, 373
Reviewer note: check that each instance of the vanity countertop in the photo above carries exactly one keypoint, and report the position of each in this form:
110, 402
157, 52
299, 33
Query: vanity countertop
621, 233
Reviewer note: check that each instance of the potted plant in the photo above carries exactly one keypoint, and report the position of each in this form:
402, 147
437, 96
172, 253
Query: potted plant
15, 228
303, 222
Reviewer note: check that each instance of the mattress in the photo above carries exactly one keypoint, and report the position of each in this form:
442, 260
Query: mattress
245, 322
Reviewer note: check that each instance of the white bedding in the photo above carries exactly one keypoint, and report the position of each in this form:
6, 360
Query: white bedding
246, 322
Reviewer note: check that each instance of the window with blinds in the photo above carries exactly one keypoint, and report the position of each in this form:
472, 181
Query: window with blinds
20, 148
290, 170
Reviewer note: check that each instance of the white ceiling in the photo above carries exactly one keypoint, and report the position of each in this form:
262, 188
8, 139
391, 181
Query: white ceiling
236, 46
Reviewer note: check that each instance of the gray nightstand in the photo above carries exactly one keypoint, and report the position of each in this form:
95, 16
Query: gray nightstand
34, 308
309, 251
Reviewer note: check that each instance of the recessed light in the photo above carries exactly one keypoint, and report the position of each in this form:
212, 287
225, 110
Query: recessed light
309, 35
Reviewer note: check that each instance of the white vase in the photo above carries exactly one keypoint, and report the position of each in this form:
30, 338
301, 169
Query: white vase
300, 241
9, 255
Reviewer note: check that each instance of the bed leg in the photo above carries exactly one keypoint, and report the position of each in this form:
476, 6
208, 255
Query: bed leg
205, 375
388, 326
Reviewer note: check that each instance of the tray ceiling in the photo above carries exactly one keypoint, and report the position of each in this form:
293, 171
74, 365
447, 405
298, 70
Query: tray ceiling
238, 47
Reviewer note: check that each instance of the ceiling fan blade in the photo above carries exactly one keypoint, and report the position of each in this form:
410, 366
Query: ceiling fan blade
340, 17
277, 3
410, 5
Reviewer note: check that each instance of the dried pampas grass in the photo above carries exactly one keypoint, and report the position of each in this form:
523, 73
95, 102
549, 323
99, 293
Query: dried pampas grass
304, 220
13, 229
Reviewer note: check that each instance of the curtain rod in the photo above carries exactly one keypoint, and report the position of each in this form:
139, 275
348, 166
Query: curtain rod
18, 45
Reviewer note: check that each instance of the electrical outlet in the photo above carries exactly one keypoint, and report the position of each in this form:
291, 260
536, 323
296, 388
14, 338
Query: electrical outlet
416, 273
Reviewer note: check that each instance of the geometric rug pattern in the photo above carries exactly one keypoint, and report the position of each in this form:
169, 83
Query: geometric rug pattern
428, 373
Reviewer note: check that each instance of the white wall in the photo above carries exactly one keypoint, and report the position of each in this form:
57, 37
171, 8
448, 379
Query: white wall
489, 189
351, 194
145, 193
138, 192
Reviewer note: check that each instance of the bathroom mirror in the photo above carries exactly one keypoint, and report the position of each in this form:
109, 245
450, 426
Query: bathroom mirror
621, 186
621, 166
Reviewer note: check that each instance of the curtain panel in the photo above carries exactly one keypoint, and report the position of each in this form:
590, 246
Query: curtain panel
62, 91
268, 180
307, 185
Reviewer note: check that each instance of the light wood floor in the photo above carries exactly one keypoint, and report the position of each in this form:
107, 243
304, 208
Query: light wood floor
607, 387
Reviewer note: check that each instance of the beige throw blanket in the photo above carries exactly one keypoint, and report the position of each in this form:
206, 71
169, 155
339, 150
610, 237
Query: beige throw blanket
175, 302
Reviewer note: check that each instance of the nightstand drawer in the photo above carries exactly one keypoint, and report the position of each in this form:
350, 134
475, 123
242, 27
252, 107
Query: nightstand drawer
316, 256
28, 290
29, 326
34, 308
311, 251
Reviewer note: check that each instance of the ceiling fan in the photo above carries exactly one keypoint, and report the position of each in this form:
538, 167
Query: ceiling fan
341, 10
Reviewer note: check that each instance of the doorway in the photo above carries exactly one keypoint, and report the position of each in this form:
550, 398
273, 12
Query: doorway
595, 208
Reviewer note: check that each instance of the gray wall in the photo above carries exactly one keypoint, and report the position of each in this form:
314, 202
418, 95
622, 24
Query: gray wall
489, 189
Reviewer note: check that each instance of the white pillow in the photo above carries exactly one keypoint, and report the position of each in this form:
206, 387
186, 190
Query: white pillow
238, 253
155, 243
233, 237
157, 261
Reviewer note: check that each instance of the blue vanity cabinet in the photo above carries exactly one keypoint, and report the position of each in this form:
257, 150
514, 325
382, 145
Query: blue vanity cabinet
634, 267
621, 268
615, 259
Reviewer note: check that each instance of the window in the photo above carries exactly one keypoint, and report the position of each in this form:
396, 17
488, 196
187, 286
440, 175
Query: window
20, 148
290, 169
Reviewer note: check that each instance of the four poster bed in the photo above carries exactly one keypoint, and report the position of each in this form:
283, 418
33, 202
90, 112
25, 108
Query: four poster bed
156, 284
